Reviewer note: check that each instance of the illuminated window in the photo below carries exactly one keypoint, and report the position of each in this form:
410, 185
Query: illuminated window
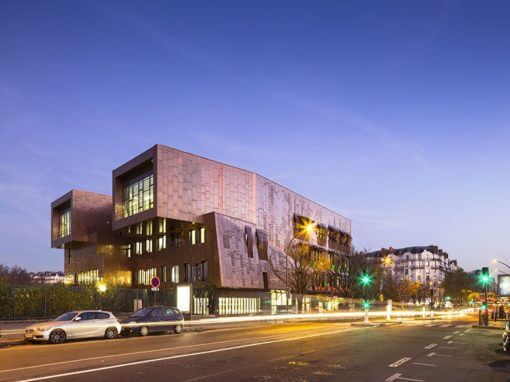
127, 250
138, 196
88, 277
148, 227
202, 235
138, 247
139, 228
161, 243
192, 235
65, 224
144, 276
175, 274
162, 226
148, 246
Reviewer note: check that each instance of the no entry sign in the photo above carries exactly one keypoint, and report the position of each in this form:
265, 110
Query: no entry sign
155, 283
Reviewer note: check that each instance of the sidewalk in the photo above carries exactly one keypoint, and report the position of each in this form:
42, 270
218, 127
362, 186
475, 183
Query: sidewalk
493, 325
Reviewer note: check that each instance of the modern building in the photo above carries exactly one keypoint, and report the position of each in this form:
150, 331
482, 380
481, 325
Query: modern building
188, 219
427, 265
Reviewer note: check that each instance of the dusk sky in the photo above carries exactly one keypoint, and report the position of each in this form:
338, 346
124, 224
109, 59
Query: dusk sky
395, 114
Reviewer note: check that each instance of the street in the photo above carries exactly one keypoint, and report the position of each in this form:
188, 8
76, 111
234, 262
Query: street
416, 350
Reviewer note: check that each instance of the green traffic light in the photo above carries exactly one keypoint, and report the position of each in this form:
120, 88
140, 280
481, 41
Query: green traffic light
365, 305
365, 279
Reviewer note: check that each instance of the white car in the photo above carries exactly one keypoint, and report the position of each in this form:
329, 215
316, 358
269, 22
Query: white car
74, 325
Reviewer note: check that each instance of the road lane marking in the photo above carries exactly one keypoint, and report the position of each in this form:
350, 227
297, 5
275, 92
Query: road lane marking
456, 342
423, 364
431, 346
433, 354
461, 334
467, 331
447, 347
445, 326
456, 332
400, 362
142, 352
127, 364
447, 337
396, 376
430, 325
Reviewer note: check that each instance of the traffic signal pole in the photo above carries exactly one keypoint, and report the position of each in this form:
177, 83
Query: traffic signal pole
486, 313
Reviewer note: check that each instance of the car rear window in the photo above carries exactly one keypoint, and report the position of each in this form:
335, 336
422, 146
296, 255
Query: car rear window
102, 316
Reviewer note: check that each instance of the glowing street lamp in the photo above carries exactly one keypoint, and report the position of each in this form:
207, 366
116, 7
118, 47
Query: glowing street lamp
387, 261
102, 287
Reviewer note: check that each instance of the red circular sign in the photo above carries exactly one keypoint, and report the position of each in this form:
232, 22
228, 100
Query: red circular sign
155, 282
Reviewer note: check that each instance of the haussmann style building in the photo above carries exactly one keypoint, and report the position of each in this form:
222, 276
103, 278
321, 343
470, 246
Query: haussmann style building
188, 219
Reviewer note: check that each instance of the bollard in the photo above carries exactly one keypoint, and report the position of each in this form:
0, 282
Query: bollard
389, 307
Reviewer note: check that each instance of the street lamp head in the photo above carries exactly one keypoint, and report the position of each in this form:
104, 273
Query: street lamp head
310, 227
494, 261
101, 286
387, 261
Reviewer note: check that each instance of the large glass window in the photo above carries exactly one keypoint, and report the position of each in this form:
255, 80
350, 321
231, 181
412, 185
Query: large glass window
175, 274
65, 224
161, 243
88, 277
138, 196
144, 276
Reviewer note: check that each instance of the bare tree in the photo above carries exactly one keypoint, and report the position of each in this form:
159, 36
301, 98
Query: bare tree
356, 263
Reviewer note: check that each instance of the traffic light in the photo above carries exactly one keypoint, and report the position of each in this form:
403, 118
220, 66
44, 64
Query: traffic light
366, 304
484, 277
365, 279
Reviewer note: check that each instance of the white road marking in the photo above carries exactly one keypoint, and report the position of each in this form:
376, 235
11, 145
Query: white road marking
430, 325
447, 337
447, 347
180, 356
467, 331
433, 354
461, 334
445, 326
431, 346
456, 332
400, 362
456, 342
396, 376
423, 364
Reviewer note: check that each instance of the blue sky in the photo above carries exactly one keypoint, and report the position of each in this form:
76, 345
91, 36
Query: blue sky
395, 114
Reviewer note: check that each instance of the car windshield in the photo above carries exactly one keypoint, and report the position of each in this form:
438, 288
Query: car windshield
66, 317
141, 312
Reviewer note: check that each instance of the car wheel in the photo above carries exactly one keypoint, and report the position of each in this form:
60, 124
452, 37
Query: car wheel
111, 333
57, 336
178, 329
144, 331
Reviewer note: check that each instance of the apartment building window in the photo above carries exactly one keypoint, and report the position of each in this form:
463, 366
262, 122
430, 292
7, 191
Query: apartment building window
202, 235
65, 224
163, 274
175, 240
148, 246
144, 276
138, 248
161, 243
175, 274
138, 196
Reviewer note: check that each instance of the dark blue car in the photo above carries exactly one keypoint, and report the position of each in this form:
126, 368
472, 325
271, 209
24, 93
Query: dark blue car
151, 320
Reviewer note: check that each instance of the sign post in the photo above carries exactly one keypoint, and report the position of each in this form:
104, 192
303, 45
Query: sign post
155, 283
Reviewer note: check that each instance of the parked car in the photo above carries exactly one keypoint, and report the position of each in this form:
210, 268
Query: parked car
505, 336
154, 319
74, 325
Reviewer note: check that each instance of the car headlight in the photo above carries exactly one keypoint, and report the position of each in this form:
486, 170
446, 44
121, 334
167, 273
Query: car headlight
42, 329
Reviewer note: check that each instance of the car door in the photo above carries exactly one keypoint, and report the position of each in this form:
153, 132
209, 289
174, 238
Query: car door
81, 326
102, 322
156, 318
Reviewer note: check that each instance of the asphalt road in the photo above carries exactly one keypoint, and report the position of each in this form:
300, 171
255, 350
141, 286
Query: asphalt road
321, 351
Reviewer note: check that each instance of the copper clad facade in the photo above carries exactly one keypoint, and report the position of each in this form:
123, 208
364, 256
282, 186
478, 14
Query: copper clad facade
241, 213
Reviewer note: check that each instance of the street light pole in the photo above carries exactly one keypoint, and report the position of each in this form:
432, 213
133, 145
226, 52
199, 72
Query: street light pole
499, 261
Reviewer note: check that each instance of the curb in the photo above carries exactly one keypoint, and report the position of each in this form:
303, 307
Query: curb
487, 327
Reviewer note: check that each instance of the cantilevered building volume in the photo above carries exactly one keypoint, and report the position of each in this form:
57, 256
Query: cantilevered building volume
188, 219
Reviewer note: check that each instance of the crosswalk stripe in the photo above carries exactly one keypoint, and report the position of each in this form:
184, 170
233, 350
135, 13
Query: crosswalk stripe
445, 326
